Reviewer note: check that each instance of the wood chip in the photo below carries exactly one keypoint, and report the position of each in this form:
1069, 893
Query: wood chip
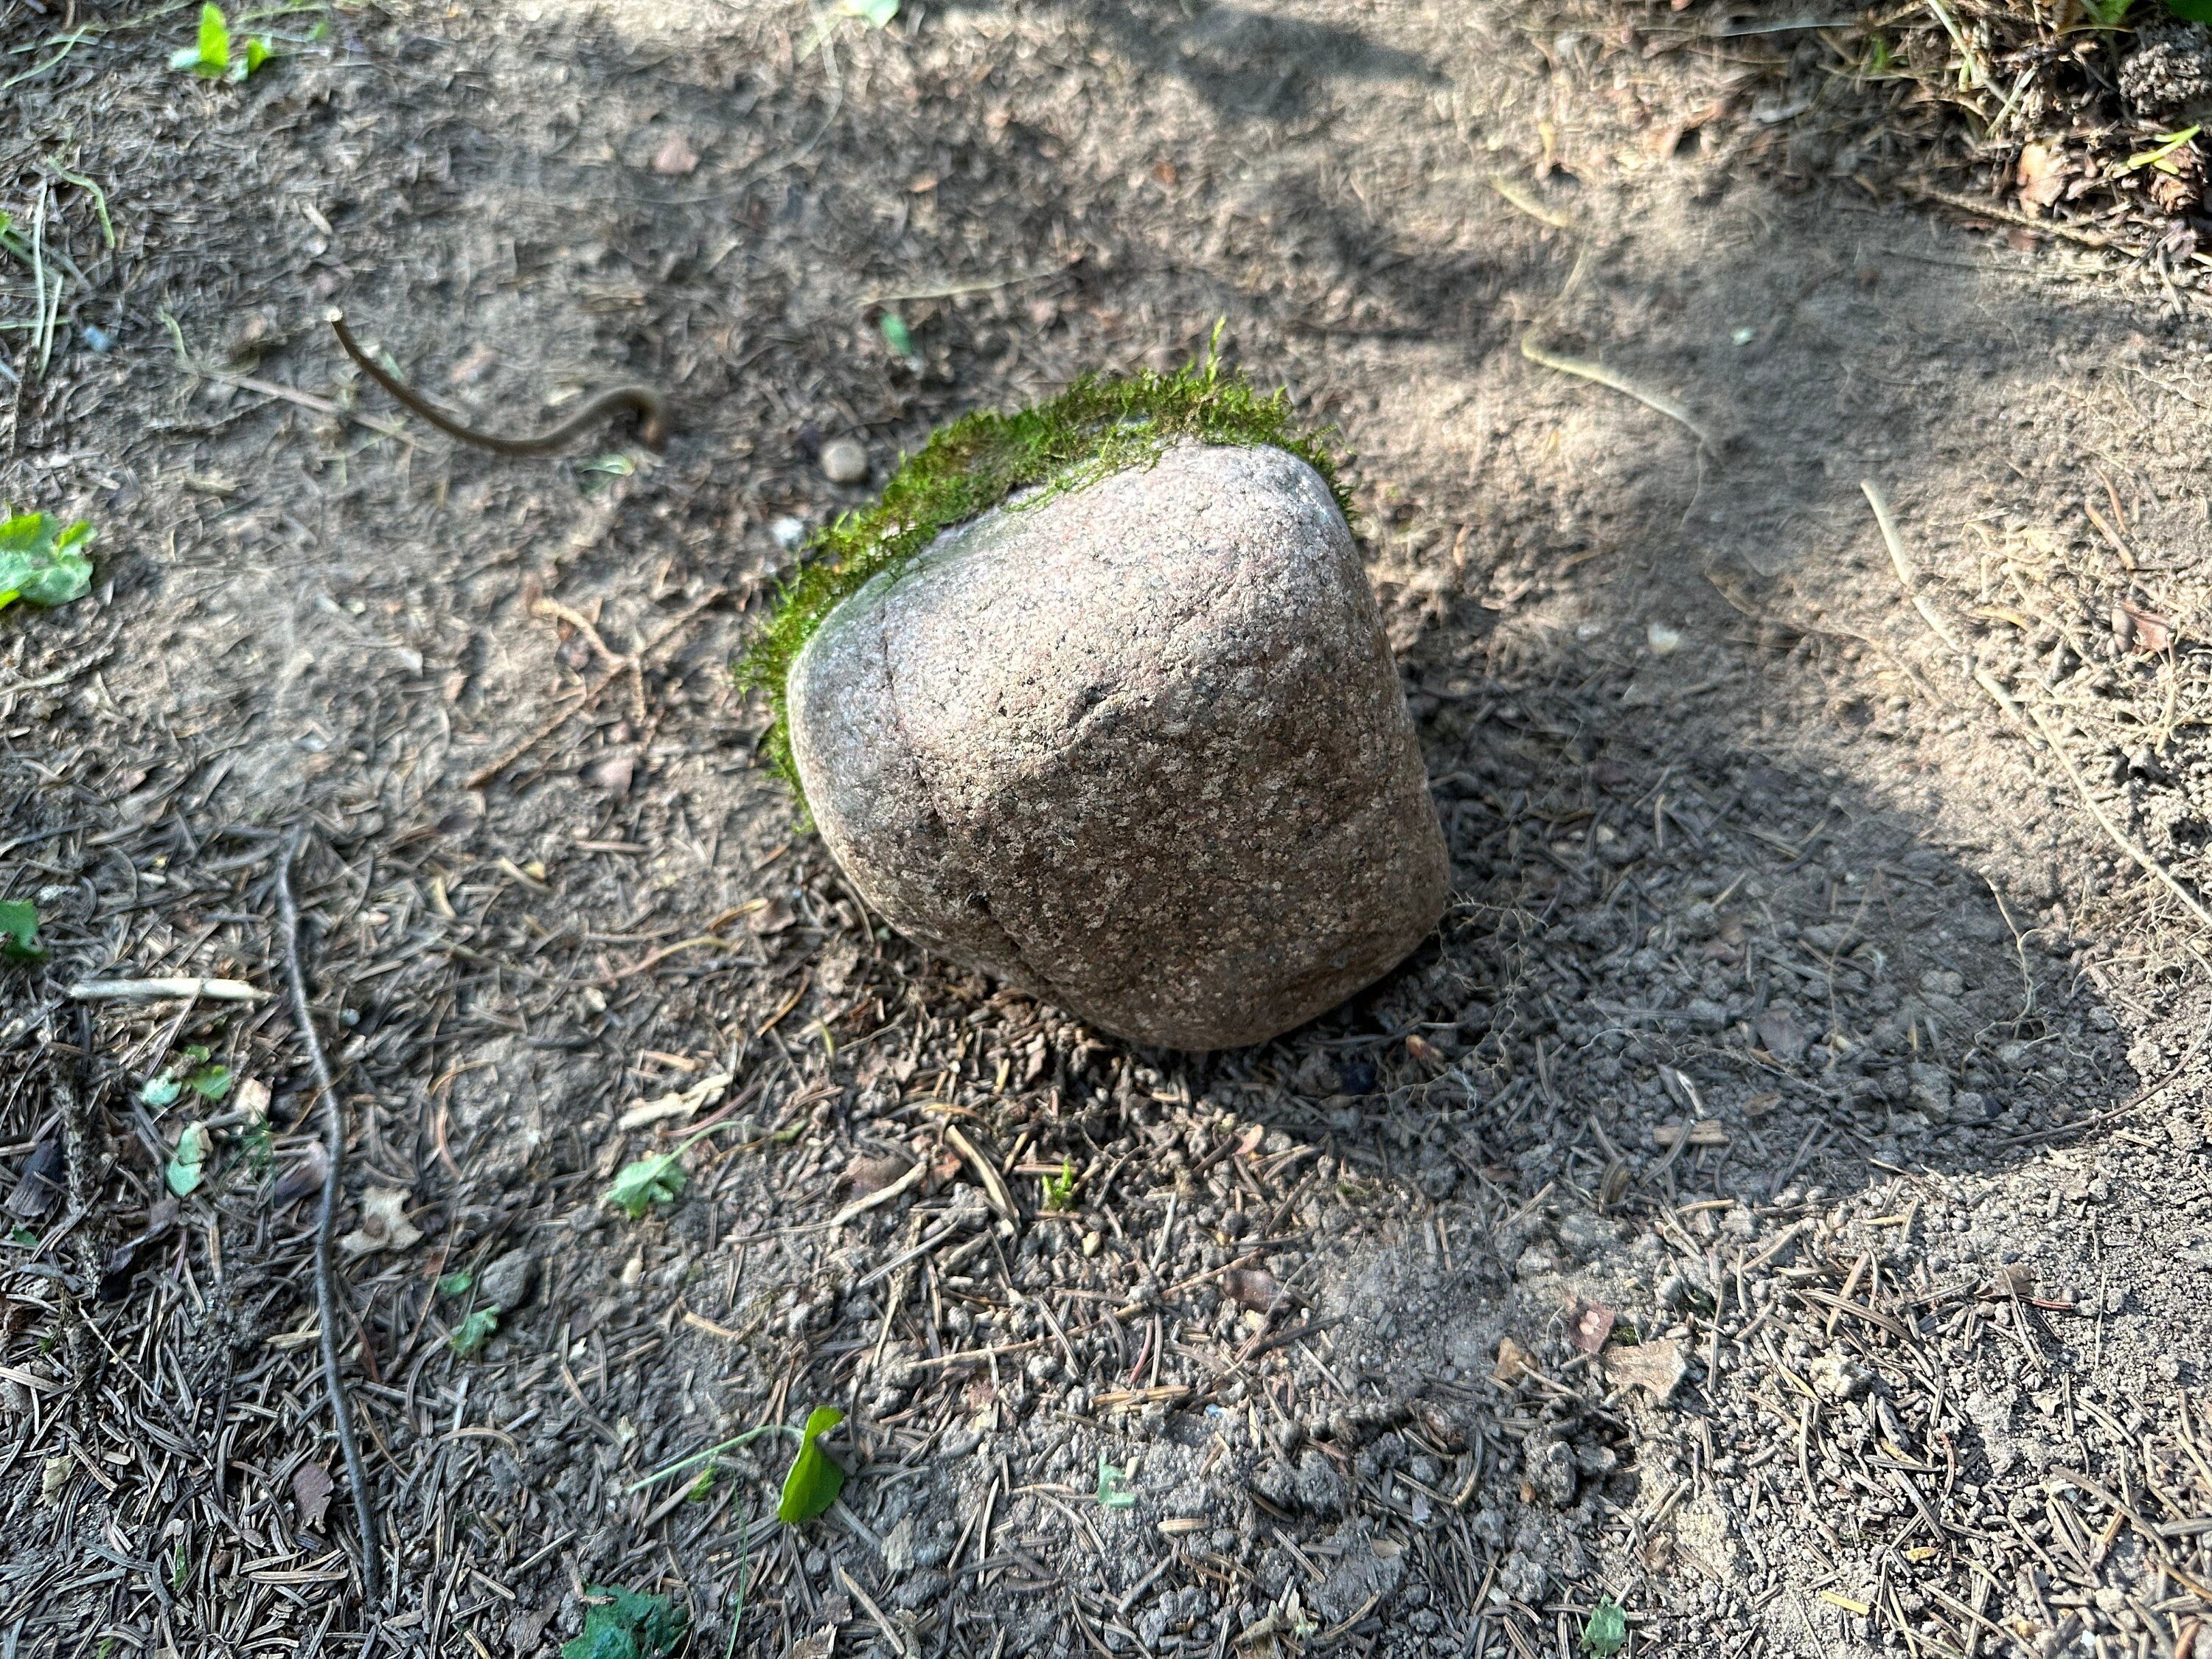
1657, 1367
1705, 1133
994, 1185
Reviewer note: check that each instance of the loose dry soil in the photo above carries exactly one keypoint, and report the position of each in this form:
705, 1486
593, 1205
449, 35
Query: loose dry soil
1800, 1037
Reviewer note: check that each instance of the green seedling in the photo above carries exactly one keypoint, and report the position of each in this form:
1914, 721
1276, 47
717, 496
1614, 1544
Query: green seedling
815, 1478
24, 1237
898, 336
1881, 62
190, 1070
1113, 1492
627, 1625
657, 1178
468, 1338
594, 475
42, 564
876, 13
210, 56
259, 1141
456, 1284
180, 1569
708, 1456
2161, 157
1605, 1632
187, 1166
645, 1181
1096, 427
2195, 11
19, 931
1059, 1189
702, 1489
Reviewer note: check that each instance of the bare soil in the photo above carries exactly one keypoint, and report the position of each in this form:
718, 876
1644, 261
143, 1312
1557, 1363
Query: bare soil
1803, 1021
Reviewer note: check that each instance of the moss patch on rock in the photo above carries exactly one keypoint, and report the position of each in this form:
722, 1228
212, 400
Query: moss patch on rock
1098, 426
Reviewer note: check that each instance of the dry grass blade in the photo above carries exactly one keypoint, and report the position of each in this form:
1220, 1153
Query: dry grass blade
1583, 369
1907, 577
2118, 836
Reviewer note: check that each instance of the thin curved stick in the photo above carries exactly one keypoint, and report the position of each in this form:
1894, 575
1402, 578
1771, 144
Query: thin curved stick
326, 1292
652, 407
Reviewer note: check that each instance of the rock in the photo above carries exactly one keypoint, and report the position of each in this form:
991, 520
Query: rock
2169, 70
1277, 1482
1930, 1091
510, 1282
1366, 1573
1835, 1377
898, 1547
1140, 751
844, 462
1321, 1487
1547, 1467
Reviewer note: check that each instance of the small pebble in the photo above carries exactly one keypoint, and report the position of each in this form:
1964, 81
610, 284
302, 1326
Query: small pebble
510, 1282
844, 462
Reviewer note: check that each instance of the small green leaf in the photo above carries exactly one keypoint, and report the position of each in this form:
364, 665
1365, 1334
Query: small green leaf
211, 1083
260, 1141
24, 1237
161, 1092
2197, 11
468, 1338
648, 1181
874, 12
188, 1163
1606, 1631
897, 335
631, 1626
700, 1490
257, 52
19, 931
42, 564
2161, 157
455, 1285
1059, 1189
180, 1569
815, 1478
215, 41
1113, 1492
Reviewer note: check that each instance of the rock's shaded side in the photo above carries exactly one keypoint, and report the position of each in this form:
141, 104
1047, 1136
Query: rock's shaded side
1140, 750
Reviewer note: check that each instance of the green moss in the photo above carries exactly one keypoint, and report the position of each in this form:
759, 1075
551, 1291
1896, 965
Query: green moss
1096, 427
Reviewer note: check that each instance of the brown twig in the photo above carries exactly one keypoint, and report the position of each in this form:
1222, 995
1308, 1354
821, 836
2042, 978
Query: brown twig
631, 664
326, 1294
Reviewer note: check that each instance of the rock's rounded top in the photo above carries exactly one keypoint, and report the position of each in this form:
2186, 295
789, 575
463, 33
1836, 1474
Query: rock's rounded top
1139, 748
1100, 425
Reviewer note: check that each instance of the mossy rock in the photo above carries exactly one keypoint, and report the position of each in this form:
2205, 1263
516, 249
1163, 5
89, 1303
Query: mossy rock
1140, 749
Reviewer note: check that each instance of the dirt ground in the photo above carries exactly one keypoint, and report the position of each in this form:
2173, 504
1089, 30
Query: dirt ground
1774, 1201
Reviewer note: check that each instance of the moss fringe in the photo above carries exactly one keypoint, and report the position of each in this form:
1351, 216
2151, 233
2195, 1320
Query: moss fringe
1096, 427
